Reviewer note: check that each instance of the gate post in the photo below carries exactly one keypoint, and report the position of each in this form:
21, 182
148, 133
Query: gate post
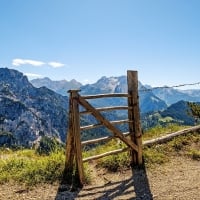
74, 163
134, 116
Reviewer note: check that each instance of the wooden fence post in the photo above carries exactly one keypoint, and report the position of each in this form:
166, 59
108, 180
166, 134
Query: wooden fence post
134, 116
74, 163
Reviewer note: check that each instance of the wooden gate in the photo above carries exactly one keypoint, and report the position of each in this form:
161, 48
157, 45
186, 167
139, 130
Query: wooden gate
74, 160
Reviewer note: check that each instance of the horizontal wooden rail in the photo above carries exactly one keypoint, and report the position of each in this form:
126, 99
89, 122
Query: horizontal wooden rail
99, 125
82, 128
105, 154
121, 121
170, 136
148, 143
105, 95
101, 139
108, 109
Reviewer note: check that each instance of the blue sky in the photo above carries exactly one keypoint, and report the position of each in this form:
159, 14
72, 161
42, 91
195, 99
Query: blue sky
88, 39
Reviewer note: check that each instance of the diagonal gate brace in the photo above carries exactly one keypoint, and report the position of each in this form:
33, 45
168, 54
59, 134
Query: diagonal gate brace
106, 123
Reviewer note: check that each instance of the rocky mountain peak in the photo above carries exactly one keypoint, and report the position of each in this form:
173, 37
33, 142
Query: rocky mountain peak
60, 87
28, 112
14, 83
10, 76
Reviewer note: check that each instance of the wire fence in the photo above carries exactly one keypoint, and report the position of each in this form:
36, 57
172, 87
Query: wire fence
168, 87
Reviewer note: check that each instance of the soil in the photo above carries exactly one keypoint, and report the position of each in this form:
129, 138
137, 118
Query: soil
179, 179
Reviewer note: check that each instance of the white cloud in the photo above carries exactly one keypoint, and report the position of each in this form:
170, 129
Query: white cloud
56, 64
18, 62
31, 75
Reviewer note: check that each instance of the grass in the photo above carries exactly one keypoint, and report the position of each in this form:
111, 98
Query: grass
155, 155
186, 145
29, 167
112, 162
160, 131
158, 154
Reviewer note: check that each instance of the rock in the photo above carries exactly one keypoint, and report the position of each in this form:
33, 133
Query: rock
28, 112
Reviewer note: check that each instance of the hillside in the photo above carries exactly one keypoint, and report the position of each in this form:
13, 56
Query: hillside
27, 113
180, 112
171, 171
171, 95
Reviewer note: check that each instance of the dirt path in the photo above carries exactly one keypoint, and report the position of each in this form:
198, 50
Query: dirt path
178, 179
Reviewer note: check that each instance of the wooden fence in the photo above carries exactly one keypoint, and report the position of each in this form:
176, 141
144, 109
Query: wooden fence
74, 160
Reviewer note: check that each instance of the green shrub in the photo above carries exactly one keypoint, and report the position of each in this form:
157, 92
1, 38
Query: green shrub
184, 141
179, 143
7, 139
155, 155
194, 154
47, 145
115, 162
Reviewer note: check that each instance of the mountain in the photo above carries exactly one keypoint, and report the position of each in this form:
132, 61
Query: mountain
179, 112
61, 87
106, 85
150, 100
147, 100
171, 95
27, 113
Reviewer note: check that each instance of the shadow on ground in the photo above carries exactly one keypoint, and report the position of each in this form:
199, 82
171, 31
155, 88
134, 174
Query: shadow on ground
135, 187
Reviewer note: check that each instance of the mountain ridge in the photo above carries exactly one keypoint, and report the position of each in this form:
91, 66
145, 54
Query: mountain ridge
171, 95
27, 112
61, 87
148, 100
118, 84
